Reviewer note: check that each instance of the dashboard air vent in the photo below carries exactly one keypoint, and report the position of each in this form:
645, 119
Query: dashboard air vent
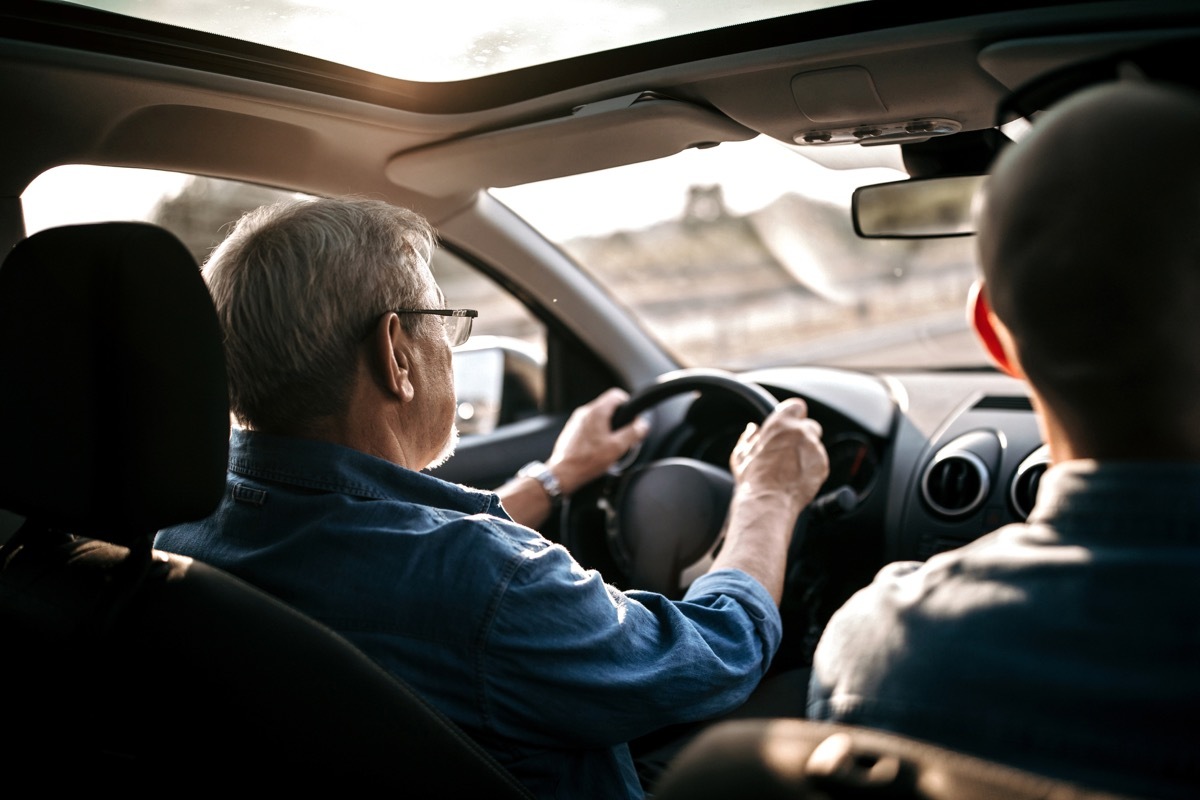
955, 483
1023, 491
1004, 403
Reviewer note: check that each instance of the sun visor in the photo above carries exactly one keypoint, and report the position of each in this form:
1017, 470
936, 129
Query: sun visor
1016, 61
622, 130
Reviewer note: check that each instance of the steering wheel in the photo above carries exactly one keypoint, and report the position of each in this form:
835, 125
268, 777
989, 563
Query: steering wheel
661, 516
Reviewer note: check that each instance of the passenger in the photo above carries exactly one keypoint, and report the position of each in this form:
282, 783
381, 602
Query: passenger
346, 397
1068, 644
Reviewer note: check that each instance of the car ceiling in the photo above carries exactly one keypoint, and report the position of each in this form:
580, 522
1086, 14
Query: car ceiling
84, 86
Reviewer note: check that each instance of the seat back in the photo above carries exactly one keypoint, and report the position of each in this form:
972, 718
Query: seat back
126, 666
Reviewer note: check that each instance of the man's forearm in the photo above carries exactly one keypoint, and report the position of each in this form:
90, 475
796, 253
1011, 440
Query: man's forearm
526, 502
757, 536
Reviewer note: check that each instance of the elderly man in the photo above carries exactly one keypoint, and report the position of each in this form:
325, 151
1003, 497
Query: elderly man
1069, 644
339, 353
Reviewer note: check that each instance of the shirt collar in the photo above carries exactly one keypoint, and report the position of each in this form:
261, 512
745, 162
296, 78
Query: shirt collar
324, 466
1156, 500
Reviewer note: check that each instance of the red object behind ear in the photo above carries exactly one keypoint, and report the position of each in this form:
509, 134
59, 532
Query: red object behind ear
984, 322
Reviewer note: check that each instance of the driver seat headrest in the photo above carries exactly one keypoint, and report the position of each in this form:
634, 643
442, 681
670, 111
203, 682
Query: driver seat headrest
115, 413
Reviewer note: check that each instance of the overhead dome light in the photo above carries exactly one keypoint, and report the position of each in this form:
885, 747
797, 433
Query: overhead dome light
886, 133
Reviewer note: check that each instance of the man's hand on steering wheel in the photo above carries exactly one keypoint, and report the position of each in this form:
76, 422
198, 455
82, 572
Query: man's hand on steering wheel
588, 445
783, 458
778, 468
585, 449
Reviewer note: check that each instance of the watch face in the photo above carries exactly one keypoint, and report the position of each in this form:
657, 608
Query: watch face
542, 474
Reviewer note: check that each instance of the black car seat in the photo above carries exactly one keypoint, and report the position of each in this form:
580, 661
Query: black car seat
798, 759
128, 668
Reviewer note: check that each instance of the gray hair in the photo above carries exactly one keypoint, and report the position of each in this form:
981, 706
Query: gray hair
297, 285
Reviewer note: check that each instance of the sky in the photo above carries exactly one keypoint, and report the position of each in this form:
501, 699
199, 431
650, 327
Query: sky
78, 193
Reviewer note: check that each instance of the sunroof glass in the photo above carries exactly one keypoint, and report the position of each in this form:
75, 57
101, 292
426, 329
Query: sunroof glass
453, 40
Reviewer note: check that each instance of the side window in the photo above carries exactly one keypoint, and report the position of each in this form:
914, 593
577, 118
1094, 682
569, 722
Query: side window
198, 210
499, 371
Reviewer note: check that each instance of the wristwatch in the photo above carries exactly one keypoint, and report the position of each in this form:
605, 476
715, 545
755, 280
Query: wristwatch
542, 474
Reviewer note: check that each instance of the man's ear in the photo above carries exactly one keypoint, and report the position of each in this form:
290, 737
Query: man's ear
391, 345
991, 332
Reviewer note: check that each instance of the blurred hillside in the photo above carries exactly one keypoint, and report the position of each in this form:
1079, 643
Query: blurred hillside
205, 210
748, 290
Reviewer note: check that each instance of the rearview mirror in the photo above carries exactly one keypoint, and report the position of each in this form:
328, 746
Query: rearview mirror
919, 208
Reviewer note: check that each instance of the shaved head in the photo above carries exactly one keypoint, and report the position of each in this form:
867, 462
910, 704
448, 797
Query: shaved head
1089, 241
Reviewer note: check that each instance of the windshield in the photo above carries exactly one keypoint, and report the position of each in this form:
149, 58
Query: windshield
744, 256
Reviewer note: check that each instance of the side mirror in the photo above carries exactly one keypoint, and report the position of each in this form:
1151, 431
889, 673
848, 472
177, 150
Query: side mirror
919, 208
498, 380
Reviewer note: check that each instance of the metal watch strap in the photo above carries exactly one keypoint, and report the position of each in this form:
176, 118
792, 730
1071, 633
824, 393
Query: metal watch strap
542, 474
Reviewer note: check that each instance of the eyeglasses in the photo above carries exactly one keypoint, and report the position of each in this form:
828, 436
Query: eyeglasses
458, 321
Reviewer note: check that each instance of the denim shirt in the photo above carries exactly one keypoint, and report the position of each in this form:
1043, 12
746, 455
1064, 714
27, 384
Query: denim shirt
1068, 645
544, 664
